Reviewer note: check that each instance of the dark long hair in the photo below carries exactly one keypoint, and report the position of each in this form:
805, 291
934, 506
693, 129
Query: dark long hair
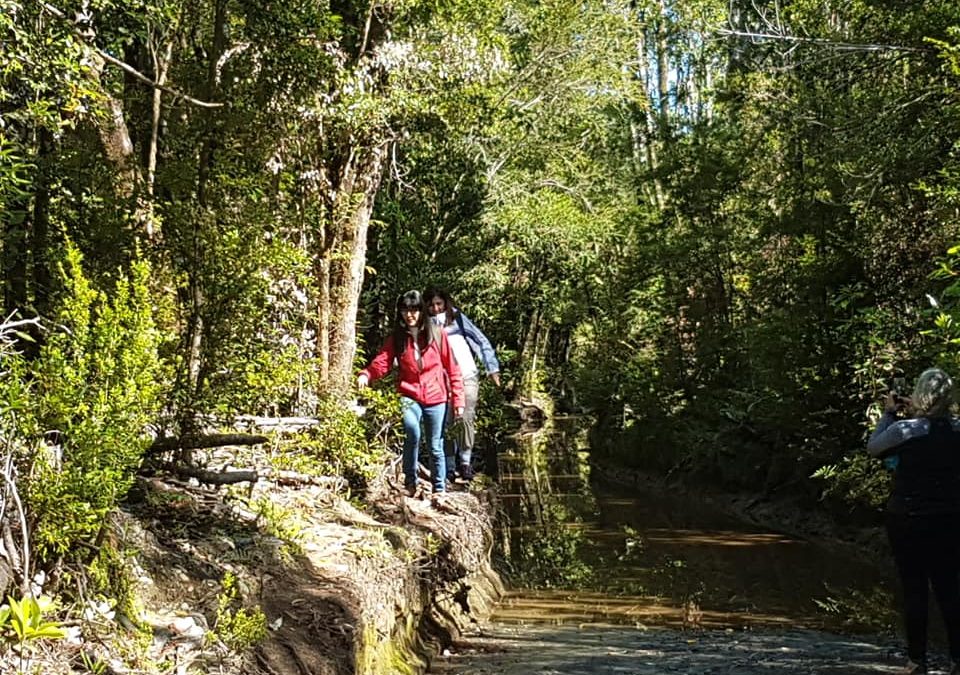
427, 332
437, 292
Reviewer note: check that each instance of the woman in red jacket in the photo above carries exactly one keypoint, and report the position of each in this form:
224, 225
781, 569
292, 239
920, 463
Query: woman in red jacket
428, 377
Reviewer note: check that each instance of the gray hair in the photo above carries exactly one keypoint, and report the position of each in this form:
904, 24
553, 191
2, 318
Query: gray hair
933, 395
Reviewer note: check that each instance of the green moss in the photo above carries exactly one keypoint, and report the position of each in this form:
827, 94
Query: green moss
399, 655
240, 628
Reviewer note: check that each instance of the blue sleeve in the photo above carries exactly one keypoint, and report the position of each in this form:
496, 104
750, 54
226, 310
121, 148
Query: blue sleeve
480, 345
891, 434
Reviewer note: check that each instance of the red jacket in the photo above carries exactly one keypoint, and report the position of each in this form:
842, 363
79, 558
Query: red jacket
429, 386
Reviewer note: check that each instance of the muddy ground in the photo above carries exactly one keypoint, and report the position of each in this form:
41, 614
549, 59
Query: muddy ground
610, 650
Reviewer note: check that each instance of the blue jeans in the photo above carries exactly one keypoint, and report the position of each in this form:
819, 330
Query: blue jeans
413, 412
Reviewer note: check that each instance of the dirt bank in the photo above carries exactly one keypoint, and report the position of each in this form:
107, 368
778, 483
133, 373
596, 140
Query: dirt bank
374, 591
378, 589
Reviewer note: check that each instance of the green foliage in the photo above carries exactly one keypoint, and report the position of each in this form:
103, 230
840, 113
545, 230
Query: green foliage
281, 523
240, 628
338, 445
111, 576
861, 610
382, 417
22, 621
93, 665
858, 479
96, 384
248, 359
720, 246
551, 559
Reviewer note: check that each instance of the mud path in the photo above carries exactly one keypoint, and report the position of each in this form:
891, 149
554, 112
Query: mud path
606, 579
593, 650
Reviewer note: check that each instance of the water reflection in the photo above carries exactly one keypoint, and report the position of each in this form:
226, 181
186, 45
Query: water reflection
577, 550
591, 608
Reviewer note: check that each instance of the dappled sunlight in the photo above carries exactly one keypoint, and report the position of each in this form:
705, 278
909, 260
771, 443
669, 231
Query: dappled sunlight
573, 607
715, 538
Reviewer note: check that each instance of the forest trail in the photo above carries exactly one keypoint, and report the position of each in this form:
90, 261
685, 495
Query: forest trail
616, 650
608, 579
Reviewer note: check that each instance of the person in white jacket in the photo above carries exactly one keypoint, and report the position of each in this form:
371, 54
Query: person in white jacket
469, 344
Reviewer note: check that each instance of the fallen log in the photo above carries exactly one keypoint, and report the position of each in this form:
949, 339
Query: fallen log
205, 441
253, 475
218, 477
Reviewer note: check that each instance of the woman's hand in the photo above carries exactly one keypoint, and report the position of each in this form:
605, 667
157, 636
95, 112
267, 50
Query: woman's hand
894, 403
362, 381
458, 412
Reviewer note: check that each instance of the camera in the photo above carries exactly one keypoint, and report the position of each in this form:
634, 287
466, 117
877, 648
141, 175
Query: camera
896, 387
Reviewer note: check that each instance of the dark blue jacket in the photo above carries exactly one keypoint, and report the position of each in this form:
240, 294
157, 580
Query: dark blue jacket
927, 477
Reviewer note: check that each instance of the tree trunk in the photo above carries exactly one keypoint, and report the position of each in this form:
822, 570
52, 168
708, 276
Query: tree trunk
41, 224
645, 132
161, 66
324, 314
115, 137
15, 242
663, 70
342, 264
15, 256
197, 299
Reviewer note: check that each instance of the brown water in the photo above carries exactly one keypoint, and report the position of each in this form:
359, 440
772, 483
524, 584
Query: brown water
577, 550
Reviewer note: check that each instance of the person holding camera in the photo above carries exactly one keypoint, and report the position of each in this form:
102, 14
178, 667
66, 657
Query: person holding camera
923, 510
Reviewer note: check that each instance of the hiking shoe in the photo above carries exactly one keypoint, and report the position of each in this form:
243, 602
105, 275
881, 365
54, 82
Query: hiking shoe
466, 474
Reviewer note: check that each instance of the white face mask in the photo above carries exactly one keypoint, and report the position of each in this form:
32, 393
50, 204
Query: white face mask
440, 319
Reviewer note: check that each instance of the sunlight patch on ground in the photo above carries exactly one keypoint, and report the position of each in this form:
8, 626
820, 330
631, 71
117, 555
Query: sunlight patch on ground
715, 538
561, 607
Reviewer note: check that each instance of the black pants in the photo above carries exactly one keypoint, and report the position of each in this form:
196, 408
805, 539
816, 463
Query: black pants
926, 550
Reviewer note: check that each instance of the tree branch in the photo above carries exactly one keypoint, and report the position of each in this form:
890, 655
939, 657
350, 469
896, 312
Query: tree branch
126, 67
208, 441
844, 46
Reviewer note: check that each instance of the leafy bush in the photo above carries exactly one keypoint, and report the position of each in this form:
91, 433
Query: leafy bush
249, 311
94, 389
338, 445
238, 627
857, 478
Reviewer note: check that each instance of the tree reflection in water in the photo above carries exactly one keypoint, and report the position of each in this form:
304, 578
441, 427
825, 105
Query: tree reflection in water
544, 551
577, 550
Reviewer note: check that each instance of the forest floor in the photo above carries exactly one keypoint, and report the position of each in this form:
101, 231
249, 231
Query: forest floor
617, 650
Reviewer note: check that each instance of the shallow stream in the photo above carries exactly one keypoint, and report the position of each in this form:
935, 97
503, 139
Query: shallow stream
579, 550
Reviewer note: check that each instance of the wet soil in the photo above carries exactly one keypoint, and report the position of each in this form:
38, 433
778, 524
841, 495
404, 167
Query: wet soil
596, 650
606, 578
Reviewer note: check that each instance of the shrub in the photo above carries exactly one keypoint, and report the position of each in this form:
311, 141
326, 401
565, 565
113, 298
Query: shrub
95, 388
339, 445
239, 628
